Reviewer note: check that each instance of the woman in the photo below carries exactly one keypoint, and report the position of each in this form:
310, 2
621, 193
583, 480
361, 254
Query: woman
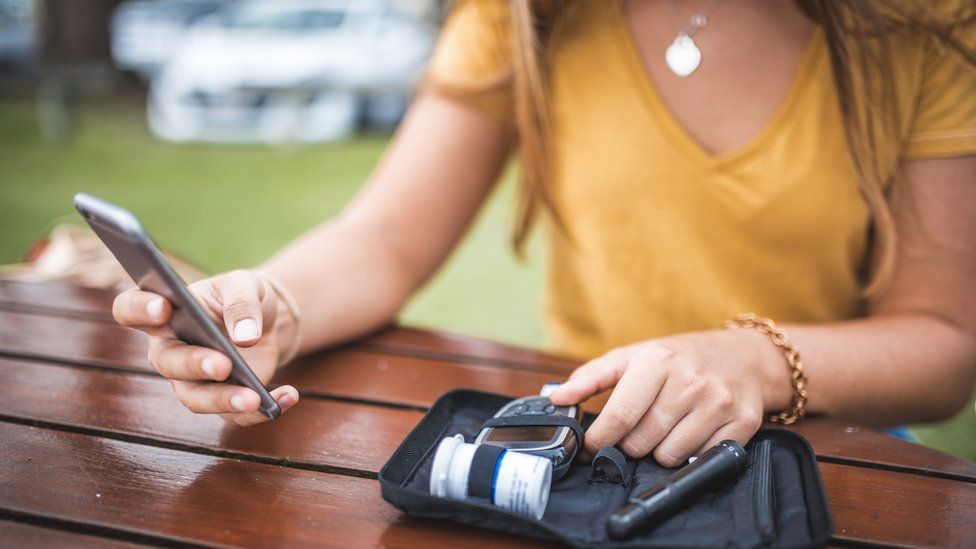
811, 162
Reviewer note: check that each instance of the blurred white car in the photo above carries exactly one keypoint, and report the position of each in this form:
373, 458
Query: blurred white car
288, 71
18, 38
145, 33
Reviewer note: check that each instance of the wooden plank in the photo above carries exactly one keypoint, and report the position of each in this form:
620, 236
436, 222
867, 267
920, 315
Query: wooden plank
190, 498
346, 372
56, 298
460, 348
846, 442
401, 379
73, 340
414, 381
318, 434
874, 506
135, 405
116, 485
870, 505
18, 534
65, 300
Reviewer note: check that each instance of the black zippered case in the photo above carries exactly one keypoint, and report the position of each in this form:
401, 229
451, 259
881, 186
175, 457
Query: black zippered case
778, 501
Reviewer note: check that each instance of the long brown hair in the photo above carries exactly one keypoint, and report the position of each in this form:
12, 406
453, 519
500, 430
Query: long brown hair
858, 34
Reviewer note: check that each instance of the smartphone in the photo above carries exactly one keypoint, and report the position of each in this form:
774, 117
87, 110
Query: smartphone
130, 244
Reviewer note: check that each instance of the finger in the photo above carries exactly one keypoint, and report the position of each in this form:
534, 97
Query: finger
592, 378
216, 398
136, 308
665, 412
286, 396
241, 293
176, 360
740, 431
635, 393
686, 438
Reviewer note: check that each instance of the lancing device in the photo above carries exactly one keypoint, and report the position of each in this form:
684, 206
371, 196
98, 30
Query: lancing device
678, 490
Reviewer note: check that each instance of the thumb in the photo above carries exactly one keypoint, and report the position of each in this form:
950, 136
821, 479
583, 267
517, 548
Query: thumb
240, 294
590, 379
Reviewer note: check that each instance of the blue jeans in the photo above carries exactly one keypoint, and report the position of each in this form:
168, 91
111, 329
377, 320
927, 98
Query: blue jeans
903, 433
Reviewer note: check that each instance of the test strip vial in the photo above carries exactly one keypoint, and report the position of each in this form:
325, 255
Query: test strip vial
510, 480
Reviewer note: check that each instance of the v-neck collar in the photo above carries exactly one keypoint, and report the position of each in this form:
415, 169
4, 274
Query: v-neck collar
679, 136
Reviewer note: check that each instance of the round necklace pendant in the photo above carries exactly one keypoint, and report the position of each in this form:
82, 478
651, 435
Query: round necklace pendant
683, 56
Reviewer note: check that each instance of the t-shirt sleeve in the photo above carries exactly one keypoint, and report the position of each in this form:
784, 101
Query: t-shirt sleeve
472, 61
945, 114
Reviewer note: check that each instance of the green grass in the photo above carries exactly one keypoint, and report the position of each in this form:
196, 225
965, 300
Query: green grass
226, 207
222, 207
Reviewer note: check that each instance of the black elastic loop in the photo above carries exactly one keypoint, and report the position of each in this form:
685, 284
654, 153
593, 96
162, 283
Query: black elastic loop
538, 421
610, 465
482, 472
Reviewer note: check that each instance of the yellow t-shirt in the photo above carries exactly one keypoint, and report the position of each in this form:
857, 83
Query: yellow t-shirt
668, 237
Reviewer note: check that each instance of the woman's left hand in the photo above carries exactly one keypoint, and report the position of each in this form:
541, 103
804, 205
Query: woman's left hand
678, 396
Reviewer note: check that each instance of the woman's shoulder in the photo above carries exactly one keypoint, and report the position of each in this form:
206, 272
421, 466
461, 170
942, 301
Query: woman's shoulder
494, 14
933, 56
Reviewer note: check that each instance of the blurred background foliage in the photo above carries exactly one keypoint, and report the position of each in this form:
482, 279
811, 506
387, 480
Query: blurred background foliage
70, 121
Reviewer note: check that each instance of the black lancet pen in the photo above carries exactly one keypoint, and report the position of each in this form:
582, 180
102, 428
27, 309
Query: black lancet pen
677, 490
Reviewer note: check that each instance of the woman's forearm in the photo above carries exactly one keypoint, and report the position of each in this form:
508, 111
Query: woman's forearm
880, 370
345, 281
352, 275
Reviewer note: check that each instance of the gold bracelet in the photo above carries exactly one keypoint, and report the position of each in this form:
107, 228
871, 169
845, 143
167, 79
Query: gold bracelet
781, 340
285, 298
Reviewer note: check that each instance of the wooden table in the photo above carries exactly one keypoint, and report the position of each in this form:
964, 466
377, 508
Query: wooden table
95, 449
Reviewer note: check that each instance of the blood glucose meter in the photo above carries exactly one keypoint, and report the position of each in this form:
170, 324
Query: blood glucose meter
557, 443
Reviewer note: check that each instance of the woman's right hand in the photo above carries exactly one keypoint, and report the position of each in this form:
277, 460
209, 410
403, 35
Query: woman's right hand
254, 319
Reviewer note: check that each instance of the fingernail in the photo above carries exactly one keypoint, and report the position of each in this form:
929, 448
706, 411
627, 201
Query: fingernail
246, 329
155, 307
209, 368
287, 399
237, 403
